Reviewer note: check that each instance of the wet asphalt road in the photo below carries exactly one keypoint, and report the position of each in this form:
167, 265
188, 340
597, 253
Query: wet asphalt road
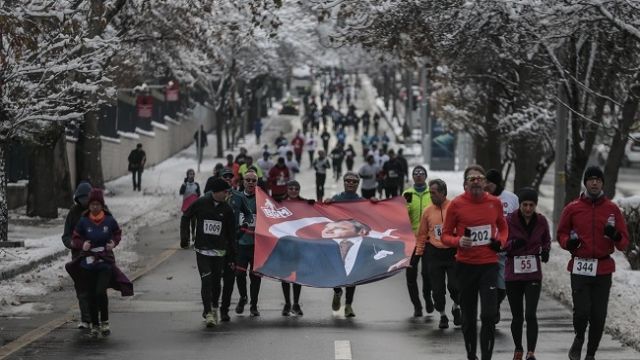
163, 321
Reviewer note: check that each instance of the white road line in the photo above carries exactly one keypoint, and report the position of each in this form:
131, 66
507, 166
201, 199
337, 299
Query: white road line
343, 349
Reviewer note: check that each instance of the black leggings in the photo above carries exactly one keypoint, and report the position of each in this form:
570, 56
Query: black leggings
286, 291
412, 281
474, 280
590, 302
351, 290
530, 292
210, 269
98, 282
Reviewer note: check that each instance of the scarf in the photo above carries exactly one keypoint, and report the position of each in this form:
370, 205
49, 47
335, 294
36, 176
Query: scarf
97, 219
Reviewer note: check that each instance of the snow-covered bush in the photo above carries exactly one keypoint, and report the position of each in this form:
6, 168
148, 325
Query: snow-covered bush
631, 211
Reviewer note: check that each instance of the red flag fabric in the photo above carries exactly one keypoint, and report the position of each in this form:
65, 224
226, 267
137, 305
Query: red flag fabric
301, 243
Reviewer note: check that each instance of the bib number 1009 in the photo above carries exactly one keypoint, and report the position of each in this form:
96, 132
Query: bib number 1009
212, 227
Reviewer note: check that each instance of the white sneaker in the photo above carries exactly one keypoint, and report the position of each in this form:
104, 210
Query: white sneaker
210, 320
83, 325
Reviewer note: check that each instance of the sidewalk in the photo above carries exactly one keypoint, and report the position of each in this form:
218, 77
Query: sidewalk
158, 200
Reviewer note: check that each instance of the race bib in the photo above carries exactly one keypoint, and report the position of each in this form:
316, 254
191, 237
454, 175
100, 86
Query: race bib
480, 235
281, 182
437, 231
393, 174
525, 264
251, 222
212, 227
585, 267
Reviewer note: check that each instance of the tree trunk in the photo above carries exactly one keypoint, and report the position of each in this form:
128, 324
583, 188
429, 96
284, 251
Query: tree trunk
579, 154
43, 176
616, 151
526, 158
219, 144
4, 206
88, 152
488, 148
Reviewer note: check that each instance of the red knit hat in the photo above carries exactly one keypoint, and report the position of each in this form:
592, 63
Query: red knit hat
96, 195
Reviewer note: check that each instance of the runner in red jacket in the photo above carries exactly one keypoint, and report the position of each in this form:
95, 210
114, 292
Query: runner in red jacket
590, 228
476, 226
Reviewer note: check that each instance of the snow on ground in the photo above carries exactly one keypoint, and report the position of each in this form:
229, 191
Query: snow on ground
160, 201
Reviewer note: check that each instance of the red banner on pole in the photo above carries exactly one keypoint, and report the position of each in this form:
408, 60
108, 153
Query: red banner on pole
144, 105
330, 245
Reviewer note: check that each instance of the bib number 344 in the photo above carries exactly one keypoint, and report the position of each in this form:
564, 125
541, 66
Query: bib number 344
585, 267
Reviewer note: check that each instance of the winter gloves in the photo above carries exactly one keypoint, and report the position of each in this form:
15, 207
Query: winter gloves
544, 256
573, 243
495, 245
517, 243
611, 232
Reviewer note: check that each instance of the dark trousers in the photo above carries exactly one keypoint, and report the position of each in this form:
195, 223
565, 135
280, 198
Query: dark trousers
286, 291
337, 169
210, 269
351, 290
320, 180
590, 302
97, 282
368, 193
391, 190
136, 175
474, 280
412, 281
83, 299
243, 264
441, 264
298, 156
529, 291
228, 281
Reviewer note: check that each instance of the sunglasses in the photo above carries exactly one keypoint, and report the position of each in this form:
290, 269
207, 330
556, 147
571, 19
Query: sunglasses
419, 173
475, 178
351, 181
251, 180
227, 176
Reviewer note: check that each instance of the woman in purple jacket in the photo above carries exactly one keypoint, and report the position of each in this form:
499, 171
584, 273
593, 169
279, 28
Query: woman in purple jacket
95, 236
527, 246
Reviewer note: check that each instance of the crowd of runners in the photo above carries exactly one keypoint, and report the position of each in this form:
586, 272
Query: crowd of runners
486, 244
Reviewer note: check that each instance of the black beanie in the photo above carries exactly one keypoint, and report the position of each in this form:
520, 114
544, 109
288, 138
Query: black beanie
494, 176
592, 171
219, 185
527, 194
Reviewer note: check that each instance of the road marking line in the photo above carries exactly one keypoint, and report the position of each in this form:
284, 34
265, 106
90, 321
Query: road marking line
342, 349
36, 334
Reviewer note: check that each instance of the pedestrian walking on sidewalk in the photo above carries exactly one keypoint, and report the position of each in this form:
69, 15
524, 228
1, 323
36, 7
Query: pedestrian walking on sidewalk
81, 204
137, 158
527, 248
591, 228
95, 236
475, 225
418, 198
215, 243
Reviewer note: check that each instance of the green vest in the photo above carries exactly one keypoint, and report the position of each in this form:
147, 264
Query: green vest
419, 202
